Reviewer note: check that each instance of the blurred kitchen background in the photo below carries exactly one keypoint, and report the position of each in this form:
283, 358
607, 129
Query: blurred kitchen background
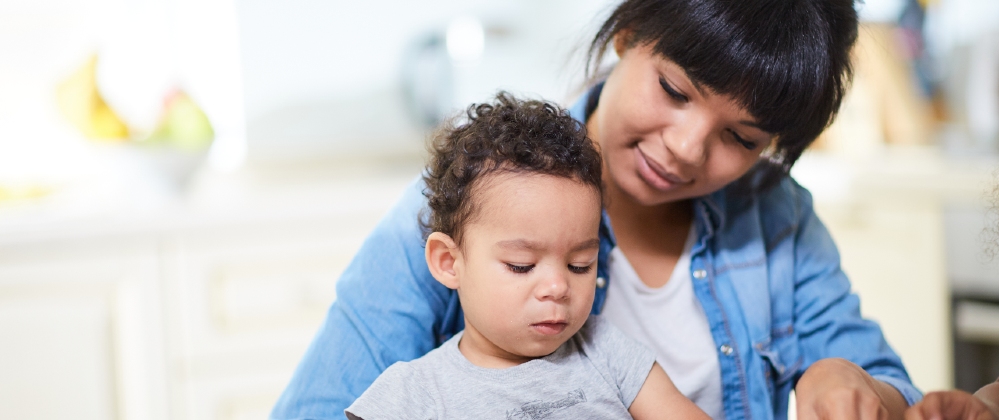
182, 181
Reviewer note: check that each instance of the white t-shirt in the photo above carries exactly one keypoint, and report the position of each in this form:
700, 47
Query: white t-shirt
671, 321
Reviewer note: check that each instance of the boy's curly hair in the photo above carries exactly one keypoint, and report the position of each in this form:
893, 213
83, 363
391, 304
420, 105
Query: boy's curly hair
508, 135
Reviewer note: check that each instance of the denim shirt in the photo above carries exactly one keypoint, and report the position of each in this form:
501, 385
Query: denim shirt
764, 268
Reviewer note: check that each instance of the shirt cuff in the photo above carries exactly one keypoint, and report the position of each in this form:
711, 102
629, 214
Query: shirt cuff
908, 391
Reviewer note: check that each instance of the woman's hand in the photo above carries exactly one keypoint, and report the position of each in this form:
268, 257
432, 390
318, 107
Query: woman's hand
951, 405
833, 389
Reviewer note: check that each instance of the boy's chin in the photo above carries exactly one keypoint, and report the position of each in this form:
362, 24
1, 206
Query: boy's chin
542, 348
537, 351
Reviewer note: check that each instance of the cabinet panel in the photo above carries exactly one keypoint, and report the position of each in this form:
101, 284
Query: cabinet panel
80, 336
245, 303
56, 359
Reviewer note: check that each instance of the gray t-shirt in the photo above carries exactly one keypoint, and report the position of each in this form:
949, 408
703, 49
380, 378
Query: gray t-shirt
594, 375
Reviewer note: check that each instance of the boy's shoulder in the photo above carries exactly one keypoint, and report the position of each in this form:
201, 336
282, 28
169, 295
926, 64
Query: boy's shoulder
404, 389
426, 368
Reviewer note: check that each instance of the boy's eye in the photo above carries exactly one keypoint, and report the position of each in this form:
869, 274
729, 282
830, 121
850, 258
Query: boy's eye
673, 93
745, 143
520, 269
580, 270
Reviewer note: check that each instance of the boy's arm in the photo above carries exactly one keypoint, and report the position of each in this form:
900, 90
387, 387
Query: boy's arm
659, 399
399, 393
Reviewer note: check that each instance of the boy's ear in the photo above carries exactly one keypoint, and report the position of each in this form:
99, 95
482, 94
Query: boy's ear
622, 40
442, 254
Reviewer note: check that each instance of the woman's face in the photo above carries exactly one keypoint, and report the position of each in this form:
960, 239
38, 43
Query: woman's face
664, 138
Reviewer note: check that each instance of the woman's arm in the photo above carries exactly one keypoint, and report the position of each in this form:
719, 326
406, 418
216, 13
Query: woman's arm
865, 370
388, 309
659, 399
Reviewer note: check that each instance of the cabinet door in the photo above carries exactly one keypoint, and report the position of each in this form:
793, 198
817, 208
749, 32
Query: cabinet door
244, 303
79, 331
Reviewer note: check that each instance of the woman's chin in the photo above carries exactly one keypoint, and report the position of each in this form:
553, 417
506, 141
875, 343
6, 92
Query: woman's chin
642, 194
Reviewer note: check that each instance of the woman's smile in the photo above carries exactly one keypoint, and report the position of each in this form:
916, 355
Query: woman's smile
655, 175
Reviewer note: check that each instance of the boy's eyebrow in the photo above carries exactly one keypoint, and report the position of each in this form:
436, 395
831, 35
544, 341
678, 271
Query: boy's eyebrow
536, 246
590, 244
520, 243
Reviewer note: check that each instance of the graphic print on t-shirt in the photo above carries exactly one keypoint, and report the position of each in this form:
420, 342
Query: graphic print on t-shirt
537, 409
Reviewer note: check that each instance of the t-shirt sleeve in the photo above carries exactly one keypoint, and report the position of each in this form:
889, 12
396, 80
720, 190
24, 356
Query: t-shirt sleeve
623, 361
398, 393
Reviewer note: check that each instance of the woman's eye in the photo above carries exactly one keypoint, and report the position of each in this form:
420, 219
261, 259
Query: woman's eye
745, 143
580, 270
520, 269
673, 93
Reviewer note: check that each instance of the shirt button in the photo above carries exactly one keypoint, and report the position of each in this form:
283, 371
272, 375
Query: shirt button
700, 274
726, 349
601, 282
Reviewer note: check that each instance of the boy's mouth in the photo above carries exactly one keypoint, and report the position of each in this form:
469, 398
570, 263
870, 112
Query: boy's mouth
549, 327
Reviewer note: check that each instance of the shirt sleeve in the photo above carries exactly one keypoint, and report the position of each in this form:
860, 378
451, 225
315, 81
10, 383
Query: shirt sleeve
623, 361
827, 314
388, 309
399, 393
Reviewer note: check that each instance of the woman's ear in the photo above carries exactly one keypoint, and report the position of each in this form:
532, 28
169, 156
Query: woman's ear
442, 255
622, 41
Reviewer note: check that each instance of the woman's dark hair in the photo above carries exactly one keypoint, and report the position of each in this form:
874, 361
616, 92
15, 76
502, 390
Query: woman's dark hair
786, 61
507, 135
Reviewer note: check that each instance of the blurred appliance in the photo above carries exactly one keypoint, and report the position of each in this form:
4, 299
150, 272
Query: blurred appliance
974, 280
428, 80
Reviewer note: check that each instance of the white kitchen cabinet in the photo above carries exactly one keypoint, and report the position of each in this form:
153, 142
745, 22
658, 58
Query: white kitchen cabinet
80, 326
245, 303
198, 310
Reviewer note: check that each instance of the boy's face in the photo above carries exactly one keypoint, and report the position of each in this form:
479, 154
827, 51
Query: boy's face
527, 269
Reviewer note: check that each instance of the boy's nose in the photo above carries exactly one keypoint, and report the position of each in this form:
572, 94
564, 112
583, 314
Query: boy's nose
553, 287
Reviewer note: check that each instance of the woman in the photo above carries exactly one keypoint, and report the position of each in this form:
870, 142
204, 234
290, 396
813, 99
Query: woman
710, 254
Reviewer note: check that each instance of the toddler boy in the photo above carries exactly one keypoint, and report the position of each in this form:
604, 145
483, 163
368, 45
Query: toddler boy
514, 199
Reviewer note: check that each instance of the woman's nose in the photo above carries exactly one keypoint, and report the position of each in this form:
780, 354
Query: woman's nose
688, 139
